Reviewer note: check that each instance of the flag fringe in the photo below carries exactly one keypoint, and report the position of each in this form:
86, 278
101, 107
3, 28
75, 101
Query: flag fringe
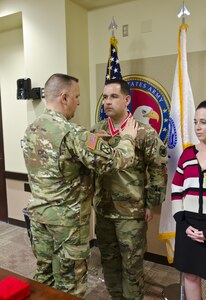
170, 258
166, 235
185, 145
114, 42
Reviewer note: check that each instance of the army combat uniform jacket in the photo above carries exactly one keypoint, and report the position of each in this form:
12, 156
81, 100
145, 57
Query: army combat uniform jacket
59, 157
126, 193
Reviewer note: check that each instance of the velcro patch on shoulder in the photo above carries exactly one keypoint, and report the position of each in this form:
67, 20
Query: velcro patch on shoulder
162, 151
92, 141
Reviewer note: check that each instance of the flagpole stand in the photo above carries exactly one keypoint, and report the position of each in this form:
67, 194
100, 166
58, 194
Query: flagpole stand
174, 291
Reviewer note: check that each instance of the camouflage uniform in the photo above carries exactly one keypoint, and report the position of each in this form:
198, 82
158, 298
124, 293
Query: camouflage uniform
60, 158
120, 201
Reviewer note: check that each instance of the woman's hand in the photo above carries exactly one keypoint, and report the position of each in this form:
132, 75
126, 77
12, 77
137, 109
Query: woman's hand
195, 234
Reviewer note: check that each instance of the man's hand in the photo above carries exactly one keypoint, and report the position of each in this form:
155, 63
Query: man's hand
103, 134
130, 128
148, 215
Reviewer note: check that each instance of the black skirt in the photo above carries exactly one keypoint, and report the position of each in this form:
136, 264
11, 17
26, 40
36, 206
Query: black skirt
190, 256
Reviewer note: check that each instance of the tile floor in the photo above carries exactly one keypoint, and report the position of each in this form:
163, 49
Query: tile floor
16, 256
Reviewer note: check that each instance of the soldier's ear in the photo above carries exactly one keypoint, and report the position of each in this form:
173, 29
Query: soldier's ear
63, 98
127, 100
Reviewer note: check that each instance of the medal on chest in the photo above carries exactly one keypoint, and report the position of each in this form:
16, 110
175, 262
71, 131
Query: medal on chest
113, 142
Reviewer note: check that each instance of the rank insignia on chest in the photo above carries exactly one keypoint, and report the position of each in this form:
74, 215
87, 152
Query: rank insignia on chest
92, 141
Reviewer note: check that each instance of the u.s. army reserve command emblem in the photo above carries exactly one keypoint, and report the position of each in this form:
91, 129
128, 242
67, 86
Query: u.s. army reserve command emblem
150, 103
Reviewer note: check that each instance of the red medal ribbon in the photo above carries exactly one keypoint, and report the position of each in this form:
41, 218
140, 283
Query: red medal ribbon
114, 131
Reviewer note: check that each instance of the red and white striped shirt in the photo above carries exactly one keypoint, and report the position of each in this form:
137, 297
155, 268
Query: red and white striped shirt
189, 184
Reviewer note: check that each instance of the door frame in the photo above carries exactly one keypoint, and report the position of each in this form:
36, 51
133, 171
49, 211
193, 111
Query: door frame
3, 197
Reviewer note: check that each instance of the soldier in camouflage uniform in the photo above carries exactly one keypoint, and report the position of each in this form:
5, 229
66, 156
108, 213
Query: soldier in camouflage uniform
123, 200
60, 157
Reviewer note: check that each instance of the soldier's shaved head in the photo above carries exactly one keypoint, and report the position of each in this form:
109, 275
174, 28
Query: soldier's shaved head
55, 84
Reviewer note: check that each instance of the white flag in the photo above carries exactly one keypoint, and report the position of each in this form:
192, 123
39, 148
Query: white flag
180, 135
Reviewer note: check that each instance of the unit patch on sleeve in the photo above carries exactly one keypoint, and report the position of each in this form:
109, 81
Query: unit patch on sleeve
92, 141
106, 149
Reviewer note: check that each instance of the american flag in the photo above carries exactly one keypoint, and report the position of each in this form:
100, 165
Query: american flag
113, 68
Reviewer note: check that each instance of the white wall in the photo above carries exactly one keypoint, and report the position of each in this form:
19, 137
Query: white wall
16, 199
159, 17
14, 112
36, 52
78, 57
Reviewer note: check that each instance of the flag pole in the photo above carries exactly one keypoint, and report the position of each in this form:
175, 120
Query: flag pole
111, 27
175, 291
183, 12
113, 69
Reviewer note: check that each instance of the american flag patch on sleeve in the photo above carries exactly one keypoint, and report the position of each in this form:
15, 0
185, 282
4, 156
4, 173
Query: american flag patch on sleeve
92, 141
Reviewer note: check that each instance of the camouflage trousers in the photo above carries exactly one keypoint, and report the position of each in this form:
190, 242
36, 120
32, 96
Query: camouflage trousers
61, 253
122, 244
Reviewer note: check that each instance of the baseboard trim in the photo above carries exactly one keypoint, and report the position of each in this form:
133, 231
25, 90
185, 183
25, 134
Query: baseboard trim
19, 177
156, 258
16, 176
159, 259
27, 187
93, 243
17, 222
